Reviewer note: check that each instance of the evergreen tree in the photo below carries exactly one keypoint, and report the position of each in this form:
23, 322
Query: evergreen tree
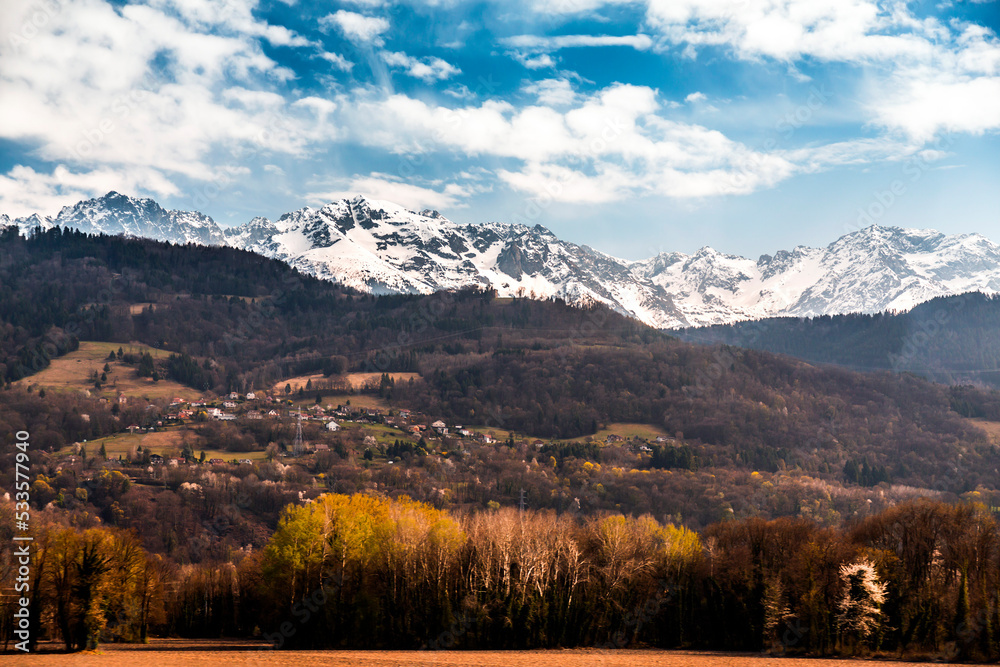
146, 368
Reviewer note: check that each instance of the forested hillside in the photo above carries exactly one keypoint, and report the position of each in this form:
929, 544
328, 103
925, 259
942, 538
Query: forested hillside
949, 339
728, 525
540, 368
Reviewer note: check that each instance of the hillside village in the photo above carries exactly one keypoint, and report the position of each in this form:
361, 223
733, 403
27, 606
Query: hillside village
376, 427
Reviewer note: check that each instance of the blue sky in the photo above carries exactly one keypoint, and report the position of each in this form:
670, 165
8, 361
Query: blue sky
635, 127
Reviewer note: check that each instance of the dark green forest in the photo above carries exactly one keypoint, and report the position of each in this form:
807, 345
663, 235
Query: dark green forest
948, 339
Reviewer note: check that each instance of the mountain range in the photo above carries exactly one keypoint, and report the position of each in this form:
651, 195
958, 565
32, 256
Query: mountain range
381, 247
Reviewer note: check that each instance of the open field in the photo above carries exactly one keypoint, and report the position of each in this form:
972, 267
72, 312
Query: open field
358, 380
161, 442
355, 380
992, 429
168, 653
627, 431
165, 443
74, 371
385, 435
356, 400
623, 430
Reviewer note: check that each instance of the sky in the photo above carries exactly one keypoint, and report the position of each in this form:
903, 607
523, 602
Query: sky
634, 127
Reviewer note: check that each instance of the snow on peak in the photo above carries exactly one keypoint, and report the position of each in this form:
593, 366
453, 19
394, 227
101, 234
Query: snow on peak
381, 247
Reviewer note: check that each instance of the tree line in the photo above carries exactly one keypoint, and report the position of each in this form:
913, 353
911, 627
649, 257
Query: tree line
947, 339
920, 579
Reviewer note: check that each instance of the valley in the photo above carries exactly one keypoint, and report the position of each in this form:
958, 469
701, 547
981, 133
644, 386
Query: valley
481, 333
460, 416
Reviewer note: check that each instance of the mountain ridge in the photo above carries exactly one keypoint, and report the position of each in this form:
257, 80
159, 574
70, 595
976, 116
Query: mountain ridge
381, 247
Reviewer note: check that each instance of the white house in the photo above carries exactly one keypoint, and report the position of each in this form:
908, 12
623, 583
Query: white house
332, 426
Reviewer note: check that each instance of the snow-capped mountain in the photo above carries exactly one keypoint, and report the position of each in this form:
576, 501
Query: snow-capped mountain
381, 247
115, 213
867, 271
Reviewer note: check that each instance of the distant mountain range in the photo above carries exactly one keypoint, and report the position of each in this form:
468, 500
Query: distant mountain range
381, 247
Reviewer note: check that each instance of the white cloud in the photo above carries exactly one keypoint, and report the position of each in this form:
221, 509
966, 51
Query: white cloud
358, 28
427, 69
235, 15
925, 103
145, 95
337, 60
552, 92
460, 92
541, 61
612, 144
384, 186
924, 77
321, 107
564, 184
833, 30
574, 6
547, 44
24, 191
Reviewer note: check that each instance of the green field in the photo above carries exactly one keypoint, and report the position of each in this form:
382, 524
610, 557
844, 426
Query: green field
385, 435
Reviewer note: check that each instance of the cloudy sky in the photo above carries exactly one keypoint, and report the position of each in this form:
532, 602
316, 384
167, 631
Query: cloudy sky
635, 127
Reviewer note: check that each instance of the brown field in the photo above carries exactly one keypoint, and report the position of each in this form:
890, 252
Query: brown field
359, 380
74, 370
183, 652
624, 430
358, 400
627, 431
161, 442
356, 380
297, 382
992, 429
165, 443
